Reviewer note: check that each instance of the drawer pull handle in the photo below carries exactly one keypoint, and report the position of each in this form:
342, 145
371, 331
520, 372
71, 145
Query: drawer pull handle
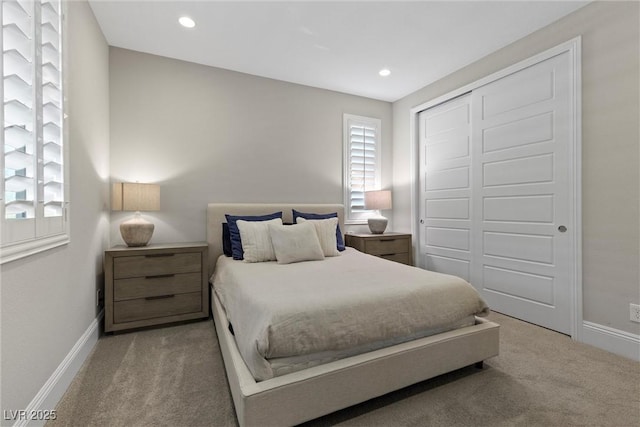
160, 297
388, 254
158, 255
387, 240
158, 276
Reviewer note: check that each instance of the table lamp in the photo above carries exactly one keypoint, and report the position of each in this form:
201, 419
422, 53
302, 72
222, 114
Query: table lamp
135, 197
377, 200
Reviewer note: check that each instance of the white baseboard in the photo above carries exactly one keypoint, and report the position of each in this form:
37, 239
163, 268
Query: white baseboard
57, 384
613, 340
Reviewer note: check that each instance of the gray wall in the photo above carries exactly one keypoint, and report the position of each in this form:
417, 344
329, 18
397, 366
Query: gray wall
211, 135
610, 142
48, 299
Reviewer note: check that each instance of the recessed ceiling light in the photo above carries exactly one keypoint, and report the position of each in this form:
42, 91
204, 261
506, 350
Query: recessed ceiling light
384, 72
187, 22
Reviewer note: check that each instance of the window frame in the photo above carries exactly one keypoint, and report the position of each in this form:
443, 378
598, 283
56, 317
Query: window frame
359, 216
43, 231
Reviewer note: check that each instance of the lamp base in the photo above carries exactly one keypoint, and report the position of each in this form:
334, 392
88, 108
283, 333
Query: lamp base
377, 225
136, 231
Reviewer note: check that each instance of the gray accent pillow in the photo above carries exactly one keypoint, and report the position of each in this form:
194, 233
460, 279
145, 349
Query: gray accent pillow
295, 243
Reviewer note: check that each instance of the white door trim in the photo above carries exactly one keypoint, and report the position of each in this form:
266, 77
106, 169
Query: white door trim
573, 47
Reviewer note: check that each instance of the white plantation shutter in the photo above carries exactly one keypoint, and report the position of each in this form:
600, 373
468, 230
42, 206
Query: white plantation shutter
51, 90
362, 142
33, 210
362, 163
19, 144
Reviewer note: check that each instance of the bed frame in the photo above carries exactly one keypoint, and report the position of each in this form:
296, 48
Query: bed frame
304, 395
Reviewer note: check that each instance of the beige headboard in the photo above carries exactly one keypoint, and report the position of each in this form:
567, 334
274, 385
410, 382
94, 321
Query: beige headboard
216, 212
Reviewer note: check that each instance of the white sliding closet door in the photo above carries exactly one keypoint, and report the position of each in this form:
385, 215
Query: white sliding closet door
496, 201
522, 200
445, 187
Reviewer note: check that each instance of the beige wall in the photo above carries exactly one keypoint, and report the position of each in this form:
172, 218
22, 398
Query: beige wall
610, 148
212, 135
48, 300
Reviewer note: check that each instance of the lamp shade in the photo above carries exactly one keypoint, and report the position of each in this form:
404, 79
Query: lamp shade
377, 200
135, 197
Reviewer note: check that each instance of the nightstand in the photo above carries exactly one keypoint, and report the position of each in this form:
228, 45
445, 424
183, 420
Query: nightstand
155, 284
391, 246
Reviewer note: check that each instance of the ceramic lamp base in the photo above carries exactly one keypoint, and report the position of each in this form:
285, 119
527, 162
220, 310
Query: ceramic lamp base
377, 225
137, 231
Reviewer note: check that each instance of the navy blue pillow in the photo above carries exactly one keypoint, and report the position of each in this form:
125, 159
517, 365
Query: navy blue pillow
298, 214
226, 239
234, 232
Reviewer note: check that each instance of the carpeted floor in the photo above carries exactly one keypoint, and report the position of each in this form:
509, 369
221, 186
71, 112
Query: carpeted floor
174, 376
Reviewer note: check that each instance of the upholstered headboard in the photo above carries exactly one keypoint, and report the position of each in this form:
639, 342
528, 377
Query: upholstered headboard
216, 216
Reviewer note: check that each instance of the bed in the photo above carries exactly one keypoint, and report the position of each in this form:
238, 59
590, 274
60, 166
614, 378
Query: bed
297, 395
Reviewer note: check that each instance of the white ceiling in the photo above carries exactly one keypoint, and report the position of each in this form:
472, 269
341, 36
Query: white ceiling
334, 45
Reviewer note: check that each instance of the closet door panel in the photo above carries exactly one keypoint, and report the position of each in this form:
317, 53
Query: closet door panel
527, 170
452, 208
445, 188
533, 287
450, 238
448, 179
535, 208
520, 193
527, 87
518, 133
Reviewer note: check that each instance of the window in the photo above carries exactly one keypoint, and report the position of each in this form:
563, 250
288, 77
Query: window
34, 183
361, 164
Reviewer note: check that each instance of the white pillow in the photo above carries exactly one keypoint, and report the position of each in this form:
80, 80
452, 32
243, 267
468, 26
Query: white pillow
256, 240
326, 231
295, 243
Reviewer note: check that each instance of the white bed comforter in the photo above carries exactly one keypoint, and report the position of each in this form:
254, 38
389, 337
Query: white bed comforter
280, 311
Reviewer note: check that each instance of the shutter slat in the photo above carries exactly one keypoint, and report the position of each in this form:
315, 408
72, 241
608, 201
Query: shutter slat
20, 209
15, 38
16, 137
16, 64
18, 160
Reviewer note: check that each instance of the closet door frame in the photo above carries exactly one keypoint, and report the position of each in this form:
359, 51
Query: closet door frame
573, 47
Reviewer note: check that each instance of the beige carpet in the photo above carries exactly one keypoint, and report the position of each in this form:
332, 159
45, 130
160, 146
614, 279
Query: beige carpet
174, 376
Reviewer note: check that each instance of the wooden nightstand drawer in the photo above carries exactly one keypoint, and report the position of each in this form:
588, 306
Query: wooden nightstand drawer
387, 246
391, 246
141, 287
156, 264
155, 284
152, 307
